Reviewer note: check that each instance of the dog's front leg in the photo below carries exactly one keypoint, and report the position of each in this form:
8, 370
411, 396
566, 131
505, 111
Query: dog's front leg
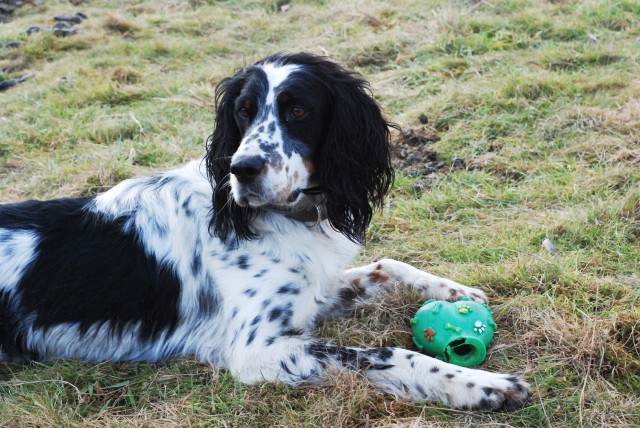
366, 281
417, 377
405, 374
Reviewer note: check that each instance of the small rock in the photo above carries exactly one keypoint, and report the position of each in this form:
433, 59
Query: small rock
5, 10
458, 163
430, 168
64, 32
62, 29
6, 84
33, 29
548, 245
407, 133
13, 45
63, 18
412, 158
423, 119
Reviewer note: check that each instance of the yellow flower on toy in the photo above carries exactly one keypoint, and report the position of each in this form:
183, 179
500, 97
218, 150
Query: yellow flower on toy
465, 309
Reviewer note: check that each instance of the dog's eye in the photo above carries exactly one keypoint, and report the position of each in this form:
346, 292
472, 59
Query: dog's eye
298, 112
244, 112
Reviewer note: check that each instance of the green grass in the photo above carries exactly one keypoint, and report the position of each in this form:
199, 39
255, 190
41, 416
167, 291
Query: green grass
540, 97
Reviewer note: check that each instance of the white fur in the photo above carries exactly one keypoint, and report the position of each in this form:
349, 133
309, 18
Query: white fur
16, 252
276, 74
319, 254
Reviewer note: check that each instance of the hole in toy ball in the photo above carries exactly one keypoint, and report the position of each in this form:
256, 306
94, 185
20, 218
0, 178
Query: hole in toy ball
460, 351
463, 350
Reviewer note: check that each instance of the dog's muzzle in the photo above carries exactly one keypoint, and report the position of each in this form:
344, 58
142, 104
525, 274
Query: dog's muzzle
247, 168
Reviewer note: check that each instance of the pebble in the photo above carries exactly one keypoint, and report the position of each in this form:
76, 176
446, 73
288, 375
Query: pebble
458, 163
413, 158
548, 245
64, 31
33, 29
63, 18
10, 83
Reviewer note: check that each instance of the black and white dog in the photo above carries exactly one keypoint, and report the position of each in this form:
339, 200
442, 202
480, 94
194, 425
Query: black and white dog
234, 259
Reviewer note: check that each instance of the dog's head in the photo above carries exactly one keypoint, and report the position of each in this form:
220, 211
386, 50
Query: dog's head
290, 123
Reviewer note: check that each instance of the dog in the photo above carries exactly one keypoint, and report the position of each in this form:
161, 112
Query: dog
236, 257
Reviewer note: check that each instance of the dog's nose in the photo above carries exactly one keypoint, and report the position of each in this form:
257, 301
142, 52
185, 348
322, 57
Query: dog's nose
247, 168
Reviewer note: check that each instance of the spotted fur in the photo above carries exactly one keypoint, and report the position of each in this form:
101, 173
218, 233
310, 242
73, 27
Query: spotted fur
216, 260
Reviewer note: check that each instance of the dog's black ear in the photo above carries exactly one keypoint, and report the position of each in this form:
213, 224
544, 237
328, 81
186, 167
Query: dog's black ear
228, 218
354, 166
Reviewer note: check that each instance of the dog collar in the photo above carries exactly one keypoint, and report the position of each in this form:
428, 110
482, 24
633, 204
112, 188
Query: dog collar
311, 216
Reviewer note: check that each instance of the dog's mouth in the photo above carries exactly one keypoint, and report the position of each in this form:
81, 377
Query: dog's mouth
254, 196
246, 196
249, 199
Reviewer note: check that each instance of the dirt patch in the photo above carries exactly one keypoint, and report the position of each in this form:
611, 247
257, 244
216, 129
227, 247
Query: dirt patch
413, 154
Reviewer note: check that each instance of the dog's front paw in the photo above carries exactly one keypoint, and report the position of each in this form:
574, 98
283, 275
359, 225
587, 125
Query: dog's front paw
417, 377
474, 294
490, 391
451, 291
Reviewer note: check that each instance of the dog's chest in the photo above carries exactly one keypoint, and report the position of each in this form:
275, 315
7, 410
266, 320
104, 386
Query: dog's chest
284, 279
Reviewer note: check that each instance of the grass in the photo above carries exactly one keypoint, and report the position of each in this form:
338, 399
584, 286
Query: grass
540, 97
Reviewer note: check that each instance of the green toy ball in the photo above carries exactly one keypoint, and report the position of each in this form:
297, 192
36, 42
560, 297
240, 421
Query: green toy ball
455, 332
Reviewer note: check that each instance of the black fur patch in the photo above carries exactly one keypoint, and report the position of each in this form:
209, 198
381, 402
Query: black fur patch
275, 314
261, 273
422, 392
288, 289
284, 367
208, 299
252, 336
243, 262
348, 357
91, 269
382, 354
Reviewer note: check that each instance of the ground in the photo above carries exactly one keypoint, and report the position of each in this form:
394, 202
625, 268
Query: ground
521, 122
